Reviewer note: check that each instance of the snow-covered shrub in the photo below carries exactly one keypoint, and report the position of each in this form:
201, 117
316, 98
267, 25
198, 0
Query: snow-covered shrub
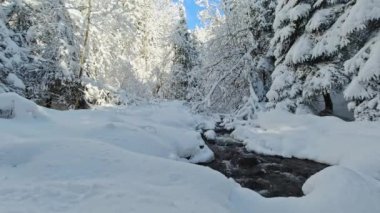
104, 95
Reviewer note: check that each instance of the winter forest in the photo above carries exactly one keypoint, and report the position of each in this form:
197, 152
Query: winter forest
117, 106
249, 55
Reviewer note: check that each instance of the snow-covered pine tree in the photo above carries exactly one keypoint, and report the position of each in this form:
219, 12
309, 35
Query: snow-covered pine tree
12, 56
262, 16
43, 31
184, 59
290, 20
364, 89
312, 41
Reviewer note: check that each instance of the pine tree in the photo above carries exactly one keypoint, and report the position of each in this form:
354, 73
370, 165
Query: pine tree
183, 60
291, 18
47, 51
11, 55
364, 89
312, 41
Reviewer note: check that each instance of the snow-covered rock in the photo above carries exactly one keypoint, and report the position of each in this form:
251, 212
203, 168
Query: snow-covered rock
210, 135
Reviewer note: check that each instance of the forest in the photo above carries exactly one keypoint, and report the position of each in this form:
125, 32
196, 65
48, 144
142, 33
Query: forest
248, 56
117, 106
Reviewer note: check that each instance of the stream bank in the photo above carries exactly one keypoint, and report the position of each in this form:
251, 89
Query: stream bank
270, 176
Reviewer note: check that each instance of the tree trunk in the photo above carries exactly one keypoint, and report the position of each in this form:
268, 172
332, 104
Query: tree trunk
328, 105
328, 102
86, 38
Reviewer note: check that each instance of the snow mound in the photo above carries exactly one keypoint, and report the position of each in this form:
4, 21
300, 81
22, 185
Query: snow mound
77, 175
14, 106
210, 135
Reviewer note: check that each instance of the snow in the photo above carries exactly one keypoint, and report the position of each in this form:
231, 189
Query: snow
286, 11
327, 77
300, 51
322, 17
20, 108
15, 81
135, 159
341, 106
106, 160
351, 185
364, 68
361, 13
355, 18
331, 39
335, 189
210, 135
353, 145
366, 61
356, 89
299, 11
285, 88
280, 37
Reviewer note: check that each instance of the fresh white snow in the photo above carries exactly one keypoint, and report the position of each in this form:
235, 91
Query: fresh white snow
335, 189
210, 135
352, 184
15, 81
354, 145
134, 159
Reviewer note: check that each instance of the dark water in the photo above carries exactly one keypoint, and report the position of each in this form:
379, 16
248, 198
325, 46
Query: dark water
271, 176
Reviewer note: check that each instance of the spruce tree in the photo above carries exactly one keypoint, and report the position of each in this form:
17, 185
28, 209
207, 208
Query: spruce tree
183, 59
312, 41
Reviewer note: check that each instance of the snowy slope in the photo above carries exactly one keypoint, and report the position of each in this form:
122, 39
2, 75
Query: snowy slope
133, 159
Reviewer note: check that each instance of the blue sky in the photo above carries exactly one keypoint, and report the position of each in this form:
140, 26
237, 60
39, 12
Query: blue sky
192, 11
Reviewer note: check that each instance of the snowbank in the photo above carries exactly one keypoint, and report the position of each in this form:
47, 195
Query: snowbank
77, 175
106, 160
335, 189
351, 186
14, 106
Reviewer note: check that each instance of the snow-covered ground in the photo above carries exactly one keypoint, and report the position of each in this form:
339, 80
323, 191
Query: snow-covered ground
134, 159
